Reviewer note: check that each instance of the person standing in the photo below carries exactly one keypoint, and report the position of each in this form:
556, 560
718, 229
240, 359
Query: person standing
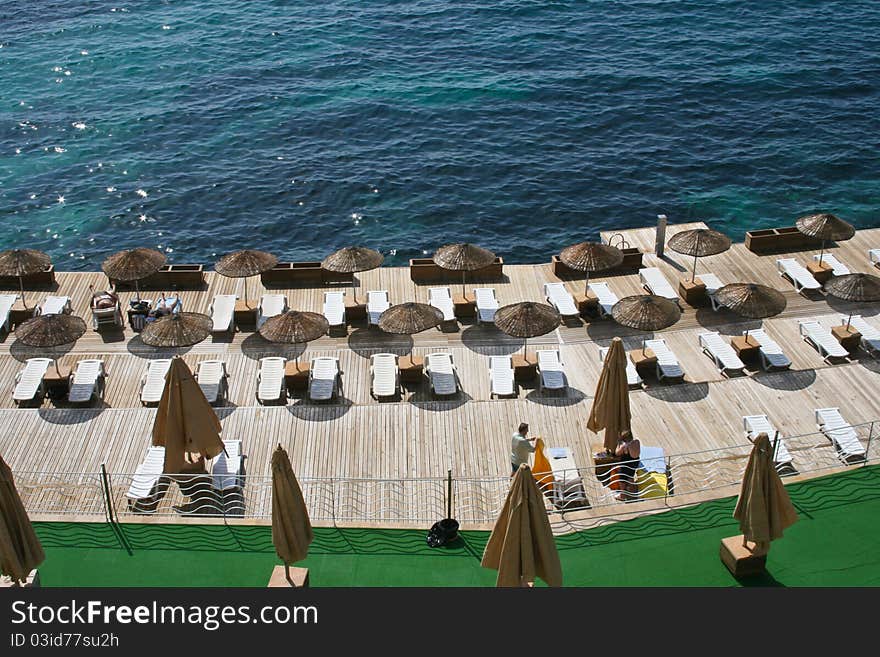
521, 447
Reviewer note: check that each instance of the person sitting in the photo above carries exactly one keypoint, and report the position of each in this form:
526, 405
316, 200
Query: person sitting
164, 306
104, 299
628, 452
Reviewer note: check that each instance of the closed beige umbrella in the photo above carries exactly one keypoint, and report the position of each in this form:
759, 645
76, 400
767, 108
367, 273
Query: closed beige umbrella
185, 422
764, 509
20, 549
611, 404
521, 546
291, 527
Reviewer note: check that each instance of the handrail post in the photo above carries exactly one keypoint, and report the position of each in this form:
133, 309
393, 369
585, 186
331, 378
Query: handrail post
868, 450
333, 501
666, 488
108, 499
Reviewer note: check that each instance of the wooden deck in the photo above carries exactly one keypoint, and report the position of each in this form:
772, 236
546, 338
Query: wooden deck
418, 436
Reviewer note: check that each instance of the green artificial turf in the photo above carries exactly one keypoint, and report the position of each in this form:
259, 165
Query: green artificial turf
836, 542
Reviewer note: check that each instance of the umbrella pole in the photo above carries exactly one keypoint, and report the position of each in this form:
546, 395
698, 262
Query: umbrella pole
821, 252
449, 493
245, 292
694, 275
21, 285
287, 572
848, 319
587, 284
354, 290
137, 290
463, 278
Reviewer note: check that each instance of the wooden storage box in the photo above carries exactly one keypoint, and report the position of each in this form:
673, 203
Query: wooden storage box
169, 277
40, 279
787, 238
423, 270
303, 273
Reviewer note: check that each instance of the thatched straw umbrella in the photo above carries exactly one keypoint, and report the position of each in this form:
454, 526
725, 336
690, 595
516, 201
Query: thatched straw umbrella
133, 265
177, 330
463, 257
751, 300
590, 257
352, 259
245, 263
294, 327
521, 546
825, 227
527, 319
409, 318
854, 287
20, 549
291, 528
646, 312
48, 331
698, 243
21, 263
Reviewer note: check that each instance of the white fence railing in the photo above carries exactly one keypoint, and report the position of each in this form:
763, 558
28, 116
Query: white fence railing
400, 501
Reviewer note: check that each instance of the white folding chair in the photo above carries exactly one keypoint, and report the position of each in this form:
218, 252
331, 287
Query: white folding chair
558, 297
724, 356
334, 309
441, 373
87, 381
213, 380
323, 378
29, 380
797, 274
655, 282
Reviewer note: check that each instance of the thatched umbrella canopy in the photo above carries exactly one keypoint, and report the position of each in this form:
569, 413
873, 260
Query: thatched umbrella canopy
21, 263
463, 257
48, 331
352, 259
244, 263
854, 287
177, 330
291, 527
409, 318
751, 300
646, 312
527, 319
133, 265
294, 327
825, 227
699, 242
589, 257
20, 549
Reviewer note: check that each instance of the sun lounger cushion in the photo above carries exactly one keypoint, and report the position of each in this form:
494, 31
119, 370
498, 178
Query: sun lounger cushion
771, 353
551, 369
322, 378
441, 372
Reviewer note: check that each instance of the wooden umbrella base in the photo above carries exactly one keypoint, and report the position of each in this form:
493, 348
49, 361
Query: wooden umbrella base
299, 577
740, 560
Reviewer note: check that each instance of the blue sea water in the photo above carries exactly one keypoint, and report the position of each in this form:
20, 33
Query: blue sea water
523, 126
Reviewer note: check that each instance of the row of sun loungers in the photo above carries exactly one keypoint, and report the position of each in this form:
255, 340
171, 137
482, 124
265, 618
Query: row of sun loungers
86, 381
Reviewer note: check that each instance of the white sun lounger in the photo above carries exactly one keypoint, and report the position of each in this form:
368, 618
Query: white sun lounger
668, 366
223, 313
6, 303
213, 380
153, 380
558, 297
568, 486
225, 468
874, 257
841, 434
633, 379
384, 375
55, 306
87, 381
713, 284
870, 335
606, 297
323, 378
486, 303
334, 308
377, 303
441, 299
822, 340
146, 477
501, 379
270, 379
755, 424
655, 282
770, 352
441, 373
29, 381
551, 370
721, 352
837, 267
798, 275
270, 306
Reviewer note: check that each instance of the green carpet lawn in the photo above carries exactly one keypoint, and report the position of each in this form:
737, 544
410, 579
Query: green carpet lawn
836, 542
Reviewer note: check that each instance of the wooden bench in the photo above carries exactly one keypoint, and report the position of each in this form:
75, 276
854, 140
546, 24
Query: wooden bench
424, 270
45, 278
785, 239
303, 273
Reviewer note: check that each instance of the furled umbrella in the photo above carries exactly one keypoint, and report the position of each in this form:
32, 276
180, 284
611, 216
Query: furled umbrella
521, 546
751, 300
590, 257
646, 312
352, 259
854, 287
48, 331
177, 330
826, 227
763, 509
527, 319
20, 549
185, 422
610, 409
409, 318
699, 242
245, 263
21, 263
294, 327
291, 527
463, 257
133, 265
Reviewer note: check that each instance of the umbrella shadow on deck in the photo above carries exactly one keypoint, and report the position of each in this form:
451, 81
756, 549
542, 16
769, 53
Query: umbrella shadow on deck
850, 307
786, 380
568, 397
368, 341
137, 347
255, 347
725, 322
425, 400
22, 352
680, 393
68, 415
319, 412
489, 341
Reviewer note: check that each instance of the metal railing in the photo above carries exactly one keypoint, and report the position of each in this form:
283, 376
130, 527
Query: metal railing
475, 500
